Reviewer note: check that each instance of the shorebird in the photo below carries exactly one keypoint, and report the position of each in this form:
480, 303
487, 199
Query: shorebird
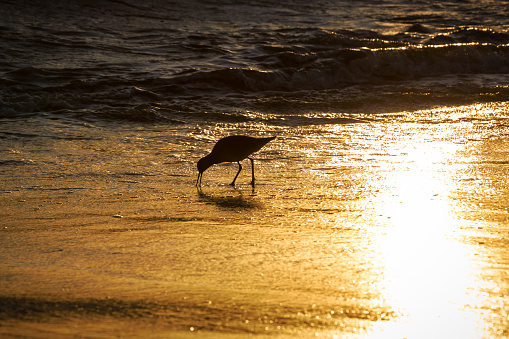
234, 148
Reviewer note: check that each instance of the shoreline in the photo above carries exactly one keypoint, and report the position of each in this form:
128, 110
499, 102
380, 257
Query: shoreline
380, 235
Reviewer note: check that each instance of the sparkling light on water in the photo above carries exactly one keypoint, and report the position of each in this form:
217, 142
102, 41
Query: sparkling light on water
429, 275
426, 267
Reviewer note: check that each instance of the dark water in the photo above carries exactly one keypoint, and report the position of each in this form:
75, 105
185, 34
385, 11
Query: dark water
242, 61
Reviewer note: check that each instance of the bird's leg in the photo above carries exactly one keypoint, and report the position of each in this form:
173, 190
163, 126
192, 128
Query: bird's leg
240, 169
252, 172
198, 180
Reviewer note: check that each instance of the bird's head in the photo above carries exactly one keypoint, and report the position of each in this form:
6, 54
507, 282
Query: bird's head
204, 163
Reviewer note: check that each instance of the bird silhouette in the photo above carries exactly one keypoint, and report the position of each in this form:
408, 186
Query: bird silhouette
234, 148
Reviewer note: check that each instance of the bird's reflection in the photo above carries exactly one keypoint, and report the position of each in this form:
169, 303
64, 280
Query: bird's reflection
236, 200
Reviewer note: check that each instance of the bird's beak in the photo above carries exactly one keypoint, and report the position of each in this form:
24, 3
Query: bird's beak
198, 180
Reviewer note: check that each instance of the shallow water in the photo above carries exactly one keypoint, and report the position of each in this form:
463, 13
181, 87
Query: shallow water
392, 227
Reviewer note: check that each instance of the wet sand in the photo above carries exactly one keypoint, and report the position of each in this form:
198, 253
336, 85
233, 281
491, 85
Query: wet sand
365, 230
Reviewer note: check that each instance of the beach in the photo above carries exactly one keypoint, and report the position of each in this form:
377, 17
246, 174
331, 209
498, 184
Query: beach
380, 209
400, 234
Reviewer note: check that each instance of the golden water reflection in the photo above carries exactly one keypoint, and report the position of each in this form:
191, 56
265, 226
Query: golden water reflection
429, 274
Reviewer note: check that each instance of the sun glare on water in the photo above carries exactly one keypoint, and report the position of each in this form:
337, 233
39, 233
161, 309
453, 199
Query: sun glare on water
429, 275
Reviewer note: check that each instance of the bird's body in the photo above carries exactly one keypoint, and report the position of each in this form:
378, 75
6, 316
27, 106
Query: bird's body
234, 148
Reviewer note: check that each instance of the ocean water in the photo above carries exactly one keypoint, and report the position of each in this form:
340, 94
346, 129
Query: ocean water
380, 211
270, 62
